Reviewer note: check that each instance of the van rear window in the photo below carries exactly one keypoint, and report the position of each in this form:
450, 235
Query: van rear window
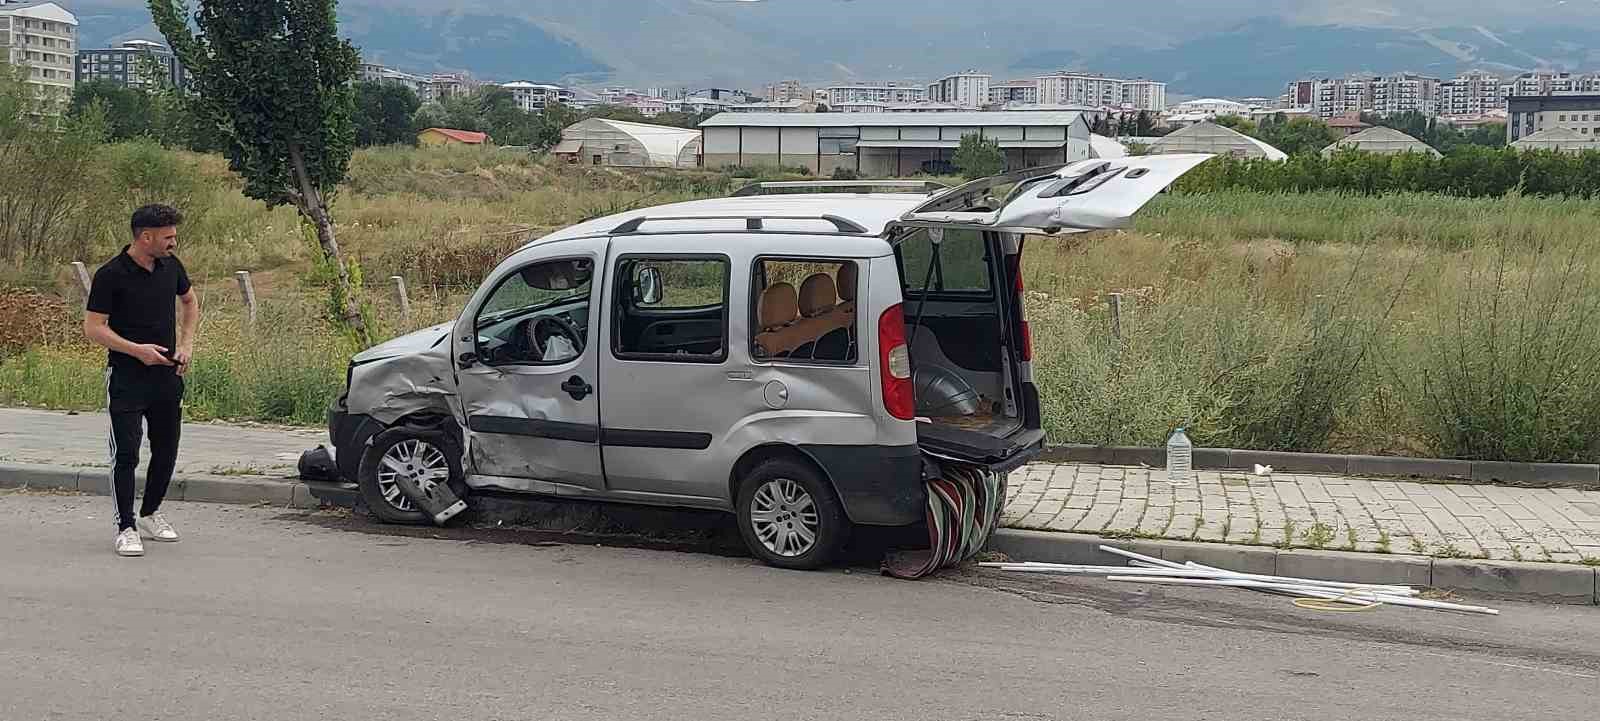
960, 264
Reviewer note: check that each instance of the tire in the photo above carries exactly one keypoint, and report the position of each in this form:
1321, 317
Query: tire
774, 492
377, 493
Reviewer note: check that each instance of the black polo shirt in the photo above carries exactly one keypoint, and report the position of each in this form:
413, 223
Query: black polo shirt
140, 303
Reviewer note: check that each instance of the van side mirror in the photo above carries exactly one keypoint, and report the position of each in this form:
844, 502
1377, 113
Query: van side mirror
648, 288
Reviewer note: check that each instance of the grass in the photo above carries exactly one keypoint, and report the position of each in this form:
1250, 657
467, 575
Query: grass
1404, 324
1318, 535
1383, 541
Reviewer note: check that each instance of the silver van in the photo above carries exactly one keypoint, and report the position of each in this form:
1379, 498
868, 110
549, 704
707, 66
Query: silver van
785, 354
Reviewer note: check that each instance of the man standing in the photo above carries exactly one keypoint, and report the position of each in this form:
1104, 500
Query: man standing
131, 313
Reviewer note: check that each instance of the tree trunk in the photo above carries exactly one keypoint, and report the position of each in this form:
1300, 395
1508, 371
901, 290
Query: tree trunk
313, 207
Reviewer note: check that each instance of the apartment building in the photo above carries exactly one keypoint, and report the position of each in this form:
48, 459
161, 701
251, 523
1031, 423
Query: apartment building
787, 91
533, 97
1335, 97
969, 89
1066, 88
128, 63
1530, 114
885, 93
41, 39
1144, 95
1405, 93
443, 86
1469, 94
376, 73
1551, 83
1018, 92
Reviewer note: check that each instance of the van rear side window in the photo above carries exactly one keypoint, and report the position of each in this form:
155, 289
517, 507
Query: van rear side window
958, 265
805, 310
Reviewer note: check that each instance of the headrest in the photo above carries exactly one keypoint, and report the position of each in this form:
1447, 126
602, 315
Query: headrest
778, 307
847, 282
817, 295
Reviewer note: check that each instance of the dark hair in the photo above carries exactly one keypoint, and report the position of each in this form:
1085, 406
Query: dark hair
151, 217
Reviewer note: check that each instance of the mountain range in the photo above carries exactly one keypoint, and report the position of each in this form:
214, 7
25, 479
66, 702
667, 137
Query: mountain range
1217, 47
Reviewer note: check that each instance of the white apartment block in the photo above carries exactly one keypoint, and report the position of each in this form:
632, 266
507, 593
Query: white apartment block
1405, 93
787, 91
1145, 95
1332, 98
885, 93
533, 97
41, 40
968, 89
1079, 89
1472, 93
375, 73
442, 86
1014, 92
1551, 83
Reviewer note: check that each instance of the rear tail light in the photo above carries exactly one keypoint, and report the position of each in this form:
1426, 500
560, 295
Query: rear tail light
894, 364
1027, 342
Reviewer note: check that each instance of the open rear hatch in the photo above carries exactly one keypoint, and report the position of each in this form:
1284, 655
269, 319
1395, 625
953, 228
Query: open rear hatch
960, 268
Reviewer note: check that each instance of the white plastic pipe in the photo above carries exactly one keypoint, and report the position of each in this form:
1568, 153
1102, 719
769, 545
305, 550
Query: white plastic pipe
1310, 592
1194, 571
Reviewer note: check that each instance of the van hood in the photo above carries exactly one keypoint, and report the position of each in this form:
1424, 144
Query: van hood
417, 342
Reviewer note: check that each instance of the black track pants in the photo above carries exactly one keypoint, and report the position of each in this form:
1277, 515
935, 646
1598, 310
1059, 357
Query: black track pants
137, 398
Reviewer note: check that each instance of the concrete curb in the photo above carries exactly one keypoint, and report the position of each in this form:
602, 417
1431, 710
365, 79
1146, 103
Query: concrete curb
1567, 475
1546, 582
198, 488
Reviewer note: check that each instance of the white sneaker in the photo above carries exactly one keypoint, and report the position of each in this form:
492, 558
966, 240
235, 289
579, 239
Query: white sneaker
128, 543
158, 528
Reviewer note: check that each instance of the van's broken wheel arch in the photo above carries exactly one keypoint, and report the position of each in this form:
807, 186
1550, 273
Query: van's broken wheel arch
426, 452
789, 515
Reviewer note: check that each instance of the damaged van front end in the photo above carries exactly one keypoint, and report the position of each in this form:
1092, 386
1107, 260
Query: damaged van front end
407, 378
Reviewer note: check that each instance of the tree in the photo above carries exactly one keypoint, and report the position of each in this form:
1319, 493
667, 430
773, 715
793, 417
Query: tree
979, 158
1144, 125
1297, 135
127, 111
385, 114
1236, 122
274, 81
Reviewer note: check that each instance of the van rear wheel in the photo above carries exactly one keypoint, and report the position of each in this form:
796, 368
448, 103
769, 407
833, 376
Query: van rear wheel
789, 516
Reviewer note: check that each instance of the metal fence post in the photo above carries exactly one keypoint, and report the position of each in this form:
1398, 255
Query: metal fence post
402, 298
247, 291
82, 273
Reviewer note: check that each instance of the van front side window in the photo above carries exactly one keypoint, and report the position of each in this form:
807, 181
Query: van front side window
671, 309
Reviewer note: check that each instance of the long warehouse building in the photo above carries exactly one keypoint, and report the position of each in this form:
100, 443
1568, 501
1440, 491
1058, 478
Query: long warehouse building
889, 144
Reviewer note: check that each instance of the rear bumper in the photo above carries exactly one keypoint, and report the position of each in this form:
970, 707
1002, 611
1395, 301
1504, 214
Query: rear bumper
878, 485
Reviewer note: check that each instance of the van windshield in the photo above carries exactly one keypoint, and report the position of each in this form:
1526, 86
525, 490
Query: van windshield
958, 265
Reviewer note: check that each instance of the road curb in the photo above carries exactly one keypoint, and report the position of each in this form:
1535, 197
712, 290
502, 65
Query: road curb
198, 488
1585, 477
1547, 582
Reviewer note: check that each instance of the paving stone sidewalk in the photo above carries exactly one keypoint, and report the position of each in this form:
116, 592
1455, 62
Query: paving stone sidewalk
1333, 513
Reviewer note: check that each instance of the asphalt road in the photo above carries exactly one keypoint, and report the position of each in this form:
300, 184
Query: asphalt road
265, 614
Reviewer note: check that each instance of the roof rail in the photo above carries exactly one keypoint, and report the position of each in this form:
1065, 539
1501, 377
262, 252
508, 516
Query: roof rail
824, 186
754, 223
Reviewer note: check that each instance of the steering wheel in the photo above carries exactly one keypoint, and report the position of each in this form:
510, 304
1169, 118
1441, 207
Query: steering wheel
561, 326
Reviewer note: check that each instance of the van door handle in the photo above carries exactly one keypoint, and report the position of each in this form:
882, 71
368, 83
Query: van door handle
577, 388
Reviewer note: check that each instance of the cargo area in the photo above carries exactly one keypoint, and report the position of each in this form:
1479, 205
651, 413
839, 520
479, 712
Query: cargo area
963, 346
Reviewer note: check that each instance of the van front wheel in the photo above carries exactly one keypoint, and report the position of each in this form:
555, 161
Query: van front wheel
789, 516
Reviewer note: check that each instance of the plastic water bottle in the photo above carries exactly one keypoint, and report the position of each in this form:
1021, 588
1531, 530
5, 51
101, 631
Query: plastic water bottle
1180, 457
